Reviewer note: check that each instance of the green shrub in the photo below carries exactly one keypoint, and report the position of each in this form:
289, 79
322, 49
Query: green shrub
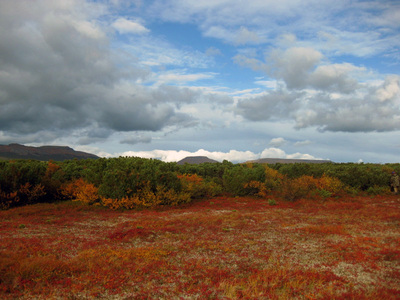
378, 190
324, 193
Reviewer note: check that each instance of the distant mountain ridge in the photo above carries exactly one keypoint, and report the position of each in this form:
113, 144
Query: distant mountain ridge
205, 159
288, 161
196, 160
45, 153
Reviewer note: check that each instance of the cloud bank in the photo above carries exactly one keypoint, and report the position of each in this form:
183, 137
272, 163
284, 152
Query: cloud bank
315, 93
232, 155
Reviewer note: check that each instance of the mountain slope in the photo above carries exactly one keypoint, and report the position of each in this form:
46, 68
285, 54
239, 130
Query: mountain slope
57, 153
196, 160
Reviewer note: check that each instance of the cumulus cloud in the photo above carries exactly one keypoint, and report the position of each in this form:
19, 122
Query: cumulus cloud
294, 65
59, 75
360, 111
232, 155
331, 97
390, 90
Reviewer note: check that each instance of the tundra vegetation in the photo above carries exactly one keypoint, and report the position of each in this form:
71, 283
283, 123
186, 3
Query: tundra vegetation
134, 228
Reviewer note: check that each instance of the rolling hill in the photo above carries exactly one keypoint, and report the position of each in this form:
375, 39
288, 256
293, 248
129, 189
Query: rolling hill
196, 160
44, 153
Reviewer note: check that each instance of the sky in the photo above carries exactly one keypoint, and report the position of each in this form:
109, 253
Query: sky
228, 79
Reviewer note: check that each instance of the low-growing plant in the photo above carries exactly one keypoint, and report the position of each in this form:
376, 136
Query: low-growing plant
378, 190
236, 248
324, 193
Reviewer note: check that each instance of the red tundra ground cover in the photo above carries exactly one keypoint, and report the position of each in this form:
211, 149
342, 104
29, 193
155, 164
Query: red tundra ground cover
224, 248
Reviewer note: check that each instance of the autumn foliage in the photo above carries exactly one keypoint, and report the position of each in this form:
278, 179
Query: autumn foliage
130, 183
220, 248
80, 190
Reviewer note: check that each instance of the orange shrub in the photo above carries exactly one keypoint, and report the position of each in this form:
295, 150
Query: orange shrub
259, 188
190, 178
307, 186
80, 190
193, 185
293, 189
51, 169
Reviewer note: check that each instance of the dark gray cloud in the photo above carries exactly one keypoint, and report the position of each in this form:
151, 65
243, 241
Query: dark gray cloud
136, 139
275, 105
59, 74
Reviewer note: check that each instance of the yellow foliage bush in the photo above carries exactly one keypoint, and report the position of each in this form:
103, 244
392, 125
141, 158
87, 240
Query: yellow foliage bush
145, 198
306, 185
330, 184
82, 191
273, 178
194, 186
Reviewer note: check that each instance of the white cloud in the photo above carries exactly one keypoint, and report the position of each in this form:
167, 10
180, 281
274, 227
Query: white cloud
268, 84
390, 90
124, 26
232, 155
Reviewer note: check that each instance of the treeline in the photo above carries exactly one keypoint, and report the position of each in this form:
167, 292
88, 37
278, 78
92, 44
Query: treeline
133, 182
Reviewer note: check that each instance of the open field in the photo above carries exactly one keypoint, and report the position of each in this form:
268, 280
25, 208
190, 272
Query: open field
223, 248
